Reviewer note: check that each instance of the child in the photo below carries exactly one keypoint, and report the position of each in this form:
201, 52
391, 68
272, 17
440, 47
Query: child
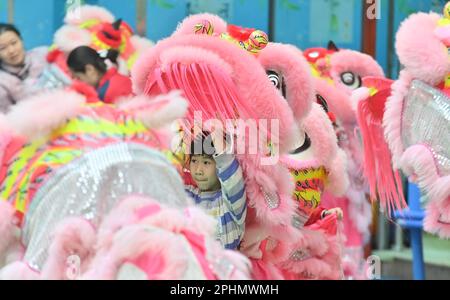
220, 188
88, 66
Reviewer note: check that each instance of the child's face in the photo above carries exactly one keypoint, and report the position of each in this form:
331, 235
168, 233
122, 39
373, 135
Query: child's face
203, 171
91, 76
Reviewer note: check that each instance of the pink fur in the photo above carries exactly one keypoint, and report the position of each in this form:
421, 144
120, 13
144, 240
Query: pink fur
418, 161
338, 101
252, 85
133, 241
191, 55
422, 53
141, 44
358, 63
158, 112
443, 34
264, 270
437, 219
18, 271
187, 26
241, 265
87, 13
54, 109
273, 179
359, 95
338, 179
198, 221
290, 63
70, 37
323, 137
299, 164
72, 237
123, 214
392, 117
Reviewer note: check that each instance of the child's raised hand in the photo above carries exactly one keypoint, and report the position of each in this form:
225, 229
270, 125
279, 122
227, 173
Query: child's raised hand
220, 143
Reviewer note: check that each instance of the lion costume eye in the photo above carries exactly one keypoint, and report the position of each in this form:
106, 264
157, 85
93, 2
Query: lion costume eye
277, 81
351, 80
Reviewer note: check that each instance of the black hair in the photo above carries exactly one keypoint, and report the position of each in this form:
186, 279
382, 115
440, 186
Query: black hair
82, 56
203, 145
4, 27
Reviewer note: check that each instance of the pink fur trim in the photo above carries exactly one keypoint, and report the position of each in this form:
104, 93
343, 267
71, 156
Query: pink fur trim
338, 101
418, 161
240, 263
289, 62
158, 112
392, 117
251, 86
54, 109
187, 26
273, 179
18, 271
67, 38
132, 242
358, 95
141, 44
292, 163
338, 179
323, 137
73, 236
89, 12
122, 215
356, 62
437, 219
198, 221
422, 53
193, 55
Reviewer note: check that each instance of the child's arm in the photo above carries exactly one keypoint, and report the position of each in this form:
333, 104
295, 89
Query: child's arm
234, 198
232, 181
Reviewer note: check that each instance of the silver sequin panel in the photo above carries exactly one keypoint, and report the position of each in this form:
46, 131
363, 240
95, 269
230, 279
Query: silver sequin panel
426, 121
90, 187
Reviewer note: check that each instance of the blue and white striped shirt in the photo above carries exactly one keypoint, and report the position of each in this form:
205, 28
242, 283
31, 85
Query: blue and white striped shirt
229, 204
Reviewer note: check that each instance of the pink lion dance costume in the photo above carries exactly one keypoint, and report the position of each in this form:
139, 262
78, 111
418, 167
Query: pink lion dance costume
316, 164
415, 118
215, 67
97, 28
338, 73
90, 194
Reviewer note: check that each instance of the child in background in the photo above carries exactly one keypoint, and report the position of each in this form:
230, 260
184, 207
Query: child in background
89, 66
220, 187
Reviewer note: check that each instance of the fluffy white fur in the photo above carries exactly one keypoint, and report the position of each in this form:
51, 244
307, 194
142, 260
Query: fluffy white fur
70, 37
88, 12
157, 112
39, 115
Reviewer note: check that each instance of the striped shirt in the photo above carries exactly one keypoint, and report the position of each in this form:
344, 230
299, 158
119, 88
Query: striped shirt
227, 205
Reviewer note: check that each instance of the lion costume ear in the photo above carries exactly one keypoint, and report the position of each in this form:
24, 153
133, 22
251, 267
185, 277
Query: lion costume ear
332, 46
213, 25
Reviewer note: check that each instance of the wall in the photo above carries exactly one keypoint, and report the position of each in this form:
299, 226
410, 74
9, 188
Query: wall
304, 23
